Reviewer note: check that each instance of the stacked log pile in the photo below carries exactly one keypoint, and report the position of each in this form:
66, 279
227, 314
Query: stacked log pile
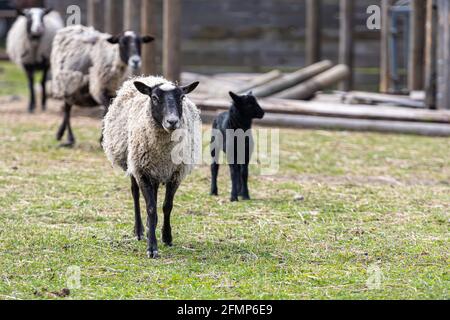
283, 97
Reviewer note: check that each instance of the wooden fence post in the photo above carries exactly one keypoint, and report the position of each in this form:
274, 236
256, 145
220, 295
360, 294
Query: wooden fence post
430, 55
443, 67
416, 45
113, 16
132, 15
148, 27
313, 31
346, 41
172, 39
95, 14
385, 68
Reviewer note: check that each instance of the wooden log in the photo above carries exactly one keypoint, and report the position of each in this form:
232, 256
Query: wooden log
443, 67
385, 68
313, 31
322, 81
113, 16
172, 39
261, 80
95, 14
273, 105
132, 15
292, 79
430, 55
148, 27
346, 41
374, 98
360, 125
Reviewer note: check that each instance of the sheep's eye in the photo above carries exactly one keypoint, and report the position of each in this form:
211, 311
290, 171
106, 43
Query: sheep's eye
183, 97
155, 99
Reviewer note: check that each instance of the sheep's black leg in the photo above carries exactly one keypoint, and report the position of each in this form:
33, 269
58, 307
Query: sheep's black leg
171, 190
244, 182
149, 190
235, 182
214, 175
66, 125
44, 88
30, 75
138, 227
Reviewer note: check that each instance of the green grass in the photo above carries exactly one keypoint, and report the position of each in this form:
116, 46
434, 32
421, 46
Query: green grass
370, 200
12, 79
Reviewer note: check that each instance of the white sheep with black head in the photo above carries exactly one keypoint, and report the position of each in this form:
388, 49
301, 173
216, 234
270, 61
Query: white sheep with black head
89, 66
141, 135
29, 45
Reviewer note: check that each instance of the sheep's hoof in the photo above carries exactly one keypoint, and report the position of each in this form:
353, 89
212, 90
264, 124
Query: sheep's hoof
139, 237
246, 198
233, 199
214, 194
68, 144
152, 254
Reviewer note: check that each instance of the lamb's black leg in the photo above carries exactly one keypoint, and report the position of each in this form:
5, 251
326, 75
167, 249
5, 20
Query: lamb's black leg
44, 88
138, 227
244, 182
171, 190
30, 75
149, 190
66, 125
214, 175
235, 177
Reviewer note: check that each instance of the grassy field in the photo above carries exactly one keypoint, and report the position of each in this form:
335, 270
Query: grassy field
374, 221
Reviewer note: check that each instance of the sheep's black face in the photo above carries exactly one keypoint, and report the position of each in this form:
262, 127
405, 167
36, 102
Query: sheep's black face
130, 45
35, 21
167, 103
248, 106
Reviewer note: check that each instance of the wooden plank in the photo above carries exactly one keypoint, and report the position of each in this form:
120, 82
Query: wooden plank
385, 72
307, 89
346, 41
370, 98
313, 31
443, 67
95, 14
417, 45
430, 55
113, 16
172, 39
148, 27
132, 15
360, 125
273, 105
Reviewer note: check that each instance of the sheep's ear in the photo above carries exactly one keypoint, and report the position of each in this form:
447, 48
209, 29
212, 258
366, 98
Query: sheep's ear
47, 11
113, 39
235, 97
147, 39
20, 12
190, 88
143, 88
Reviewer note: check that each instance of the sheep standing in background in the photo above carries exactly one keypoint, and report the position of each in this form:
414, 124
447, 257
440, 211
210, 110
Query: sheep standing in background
29, 45
234, 128
138, 137
89, 66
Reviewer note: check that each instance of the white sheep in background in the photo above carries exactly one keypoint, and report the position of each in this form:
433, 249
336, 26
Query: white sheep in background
138, 133
29, 45
88, 67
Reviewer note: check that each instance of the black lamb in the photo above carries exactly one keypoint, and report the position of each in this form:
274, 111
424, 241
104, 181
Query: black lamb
232, 133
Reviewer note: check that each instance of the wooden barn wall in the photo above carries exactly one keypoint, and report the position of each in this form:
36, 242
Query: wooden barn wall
258, 35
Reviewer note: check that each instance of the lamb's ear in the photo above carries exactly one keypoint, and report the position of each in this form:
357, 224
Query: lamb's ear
20, 12
190, 88
143, 88
147, 39
113, 39
235, 97
47, 11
